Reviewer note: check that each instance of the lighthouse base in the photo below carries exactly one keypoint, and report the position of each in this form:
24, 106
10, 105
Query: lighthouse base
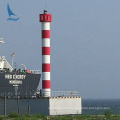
65, 106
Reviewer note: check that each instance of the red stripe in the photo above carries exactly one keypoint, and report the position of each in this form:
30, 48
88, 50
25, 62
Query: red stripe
45, 33
45, 67
45, 50
45, 84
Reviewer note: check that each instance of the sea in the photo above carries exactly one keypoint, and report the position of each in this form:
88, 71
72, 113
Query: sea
99, 106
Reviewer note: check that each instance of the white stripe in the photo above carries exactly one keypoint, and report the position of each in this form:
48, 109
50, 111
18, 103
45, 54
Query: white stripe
45, 75
45, 58
46, 93
48, 90
45, 26
46, 42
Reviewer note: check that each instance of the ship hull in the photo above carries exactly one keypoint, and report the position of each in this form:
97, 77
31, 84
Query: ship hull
20, 84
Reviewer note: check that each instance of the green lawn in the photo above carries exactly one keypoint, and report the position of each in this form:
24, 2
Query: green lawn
107, 116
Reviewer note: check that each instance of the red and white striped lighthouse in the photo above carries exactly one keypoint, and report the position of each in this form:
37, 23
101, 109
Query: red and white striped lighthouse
45, 20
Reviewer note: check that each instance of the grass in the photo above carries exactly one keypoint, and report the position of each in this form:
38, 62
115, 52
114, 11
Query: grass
15, 116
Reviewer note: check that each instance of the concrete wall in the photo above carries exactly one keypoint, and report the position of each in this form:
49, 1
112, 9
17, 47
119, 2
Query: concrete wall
64, 106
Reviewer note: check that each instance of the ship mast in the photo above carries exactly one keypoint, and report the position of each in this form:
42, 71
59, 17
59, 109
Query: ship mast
1, 58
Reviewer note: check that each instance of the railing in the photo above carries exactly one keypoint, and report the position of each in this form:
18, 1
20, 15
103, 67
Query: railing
22, 95
37, 94
64, 93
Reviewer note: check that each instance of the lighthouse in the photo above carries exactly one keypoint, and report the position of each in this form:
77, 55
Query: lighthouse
45, 20
60, 102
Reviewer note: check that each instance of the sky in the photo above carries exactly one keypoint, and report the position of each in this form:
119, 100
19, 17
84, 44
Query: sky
85, 40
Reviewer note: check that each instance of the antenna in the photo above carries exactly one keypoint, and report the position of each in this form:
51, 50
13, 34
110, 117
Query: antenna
45, 5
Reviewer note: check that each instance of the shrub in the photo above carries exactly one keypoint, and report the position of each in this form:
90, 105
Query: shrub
39, 116
1, 118
107, 114
13, 115
26, 115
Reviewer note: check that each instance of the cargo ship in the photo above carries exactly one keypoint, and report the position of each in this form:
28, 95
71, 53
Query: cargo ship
17, 82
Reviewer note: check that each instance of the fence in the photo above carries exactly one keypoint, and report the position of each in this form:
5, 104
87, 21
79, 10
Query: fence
12, 105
